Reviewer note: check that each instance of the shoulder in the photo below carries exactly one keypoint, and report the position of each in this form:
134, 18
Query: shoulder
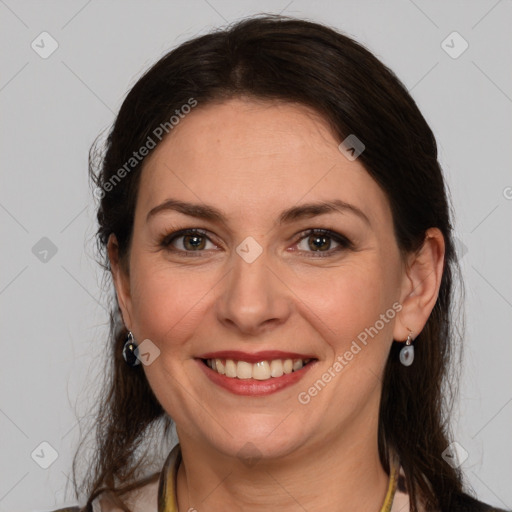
68, 509
465, 503
143, 499
459, 501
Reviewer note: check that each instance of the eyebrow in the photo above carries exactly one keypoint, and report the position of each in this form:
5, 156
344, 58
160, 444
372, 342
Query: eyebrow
295, 213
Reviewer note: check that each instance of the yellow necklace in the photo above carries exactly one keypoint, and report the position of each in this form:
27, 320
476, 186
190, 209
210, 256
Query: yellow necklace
167, 487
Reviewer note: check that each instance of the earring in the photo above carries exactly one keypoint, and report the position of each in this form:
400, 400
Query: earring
407, 352
131, 351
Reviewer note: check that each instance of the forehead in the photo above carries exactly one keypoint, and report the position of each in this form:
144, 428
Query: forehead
256, 157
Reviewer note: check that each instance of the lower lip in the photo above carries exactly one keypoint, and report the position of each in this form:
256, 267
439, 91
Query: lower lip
254, 387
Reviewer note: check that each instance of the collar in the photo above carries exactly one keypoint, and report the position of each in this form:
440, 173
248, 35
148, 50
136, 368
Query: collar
167, 484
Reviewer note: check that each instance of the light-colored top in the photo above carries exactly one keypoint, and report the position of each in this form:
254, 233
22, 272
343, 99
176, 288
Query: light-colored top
160, 496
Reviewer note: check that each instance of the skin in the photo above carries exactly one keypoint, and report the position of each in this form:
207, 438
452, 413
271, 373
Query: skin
252, 159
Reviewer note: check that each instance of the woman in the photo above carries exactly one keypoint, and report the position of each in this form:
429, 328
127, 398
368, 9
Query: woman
276, 225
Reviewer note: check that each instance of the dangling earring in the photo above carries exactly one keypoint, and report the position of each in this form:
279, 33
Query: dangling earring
131, 351
407, 352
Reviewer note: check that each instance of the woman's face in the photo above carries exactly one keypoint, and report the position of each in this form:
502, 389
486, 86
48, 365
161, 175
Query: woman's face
258, 286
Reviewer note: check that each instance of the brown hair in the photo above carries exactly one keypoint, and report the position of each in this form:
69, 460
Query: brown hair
273, 57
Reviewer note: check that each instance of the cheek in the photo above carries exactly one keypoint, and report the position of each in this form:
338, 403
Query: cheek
342, 302
168, 301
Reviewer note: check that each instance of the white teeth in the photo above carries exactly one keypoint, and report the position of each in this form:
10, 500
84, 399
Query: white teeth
244, 370
230, 368
262, 370
220, 366
276, 368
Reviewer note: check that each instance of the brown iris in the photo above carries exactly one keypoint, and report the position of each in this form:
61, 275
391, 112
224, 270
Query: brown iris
193, 242
319, 242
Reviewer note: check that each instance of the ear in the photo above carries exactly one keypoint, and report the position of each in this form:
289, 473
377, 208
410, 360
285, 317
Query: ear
121, 278
420, 285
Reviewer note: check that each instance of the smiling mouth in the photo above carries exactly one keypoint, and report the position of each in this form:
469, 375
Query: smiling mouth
262, 370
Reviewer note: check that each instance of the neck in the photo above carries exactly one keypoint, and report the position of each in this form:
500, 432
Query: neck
340, 473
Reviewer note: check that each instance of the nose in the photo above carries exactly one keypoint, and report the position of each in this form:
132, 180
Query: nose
253, 297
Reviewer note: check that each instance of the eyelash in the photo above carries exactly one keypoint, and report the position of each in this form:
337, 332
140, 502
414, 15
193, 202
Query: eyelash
343, 241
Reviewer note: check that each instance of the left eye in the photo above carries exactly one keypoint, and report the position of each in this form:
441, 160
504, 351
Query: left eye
321, 240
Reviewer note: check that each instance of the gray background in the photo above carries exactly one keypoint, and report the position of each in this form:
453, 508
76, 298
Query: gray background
52, 314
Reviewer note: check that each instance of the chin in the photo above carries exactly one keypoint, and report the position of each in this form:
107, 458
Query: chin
259, 443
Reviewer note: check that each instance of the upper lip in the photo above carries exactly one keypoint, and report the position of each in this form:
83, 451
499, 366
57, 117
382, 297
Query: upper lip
255, 357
